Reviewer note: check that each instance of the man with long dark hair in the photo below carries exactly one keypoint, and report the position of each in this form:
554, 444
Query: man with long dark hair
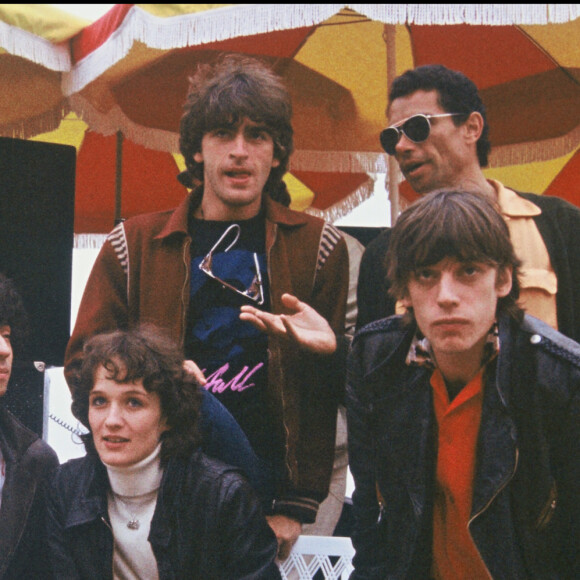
232, 243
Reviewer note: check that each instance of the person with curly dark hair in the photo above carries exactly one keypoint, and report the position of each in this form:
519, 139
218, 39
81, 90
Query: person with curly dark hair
145, 502
231, 256
26, 461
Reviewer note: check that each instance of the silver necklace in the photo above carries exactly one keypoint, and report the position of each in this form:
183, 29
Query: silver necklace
133, 523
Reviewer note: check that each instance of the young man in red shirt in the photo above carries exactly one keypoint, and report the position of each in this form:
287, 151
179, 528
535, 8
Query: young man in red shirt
463, 413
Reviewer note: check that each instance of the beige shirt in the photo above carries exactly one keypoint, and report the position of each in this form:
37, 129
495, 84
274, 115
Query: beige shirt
538, 282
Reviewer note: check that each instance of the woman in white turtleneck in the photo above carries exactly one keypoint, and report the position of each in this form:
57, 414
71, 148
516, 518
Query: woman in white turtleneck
131, 501
145, 503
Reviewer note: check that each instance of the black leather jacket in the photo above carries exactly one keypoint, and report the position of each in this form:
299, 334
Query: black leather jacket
207, 523
29, 465
526, 493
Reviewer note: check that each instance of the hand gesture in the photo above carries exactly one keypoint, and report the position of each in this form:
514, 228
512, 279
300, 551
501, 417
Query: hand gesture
303, 325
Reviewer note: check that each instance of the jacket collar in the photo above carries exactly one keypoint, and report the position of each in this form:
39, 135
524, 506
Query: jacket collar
403, 338
421, 354
395, 338
15, 438
497, 442
275, 212
91, 503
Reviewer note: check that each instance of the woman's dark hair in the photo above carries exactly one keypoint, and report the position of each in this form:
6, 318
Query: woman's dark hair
456, 93
13, 314
222, 95
451, 224
143, 354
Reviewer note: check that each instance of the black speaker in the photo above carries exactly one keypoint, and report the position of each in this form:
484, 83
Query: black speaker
37, 185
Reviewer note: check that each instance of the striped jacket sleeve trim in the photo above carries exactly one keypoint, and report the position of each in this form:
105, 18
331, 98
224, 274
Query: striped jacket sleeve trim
118, 241
329, 237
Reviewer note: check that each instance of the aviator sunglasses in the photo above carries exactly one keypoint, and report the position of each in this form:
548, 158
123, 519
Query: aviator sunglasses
416, 128
255, 291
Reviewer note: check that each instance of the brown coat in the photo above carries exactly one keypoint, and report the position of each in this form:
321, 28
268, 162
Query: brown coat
142, 274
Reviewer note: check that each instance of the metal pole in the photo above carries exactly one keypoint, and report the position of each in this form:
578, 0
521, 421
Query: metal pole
392, 179
118, 177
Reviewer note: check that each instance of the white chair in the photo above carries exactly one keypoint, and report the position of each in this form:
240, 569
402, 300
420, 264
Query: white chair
313, 553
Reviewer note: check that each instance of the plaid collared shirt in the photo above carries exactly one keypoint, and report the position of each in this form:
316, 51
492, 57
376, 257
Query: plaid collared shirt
421, 354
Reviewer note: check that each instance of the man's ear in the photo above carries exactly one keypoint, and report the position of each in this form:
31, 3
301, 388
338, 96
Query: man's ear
198, 157
474, 126
504, 281
406, 301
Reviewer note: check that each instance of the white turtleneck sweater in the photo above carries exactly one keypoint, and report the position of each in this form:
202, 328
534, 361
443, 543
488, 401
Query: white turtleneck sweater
133, 496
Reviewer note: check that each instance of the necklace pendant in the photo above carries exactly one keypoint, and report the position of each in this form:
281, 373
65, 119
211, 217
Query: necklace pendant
133, 524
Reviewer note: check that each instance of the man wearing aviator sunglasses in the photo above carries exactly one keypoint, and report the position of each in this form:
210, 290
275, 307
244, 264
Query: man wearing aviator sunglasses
231, 244
440, 138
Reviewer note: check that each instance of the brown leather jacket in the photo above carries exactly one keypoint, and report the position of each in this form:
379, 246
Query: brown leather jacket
142, 274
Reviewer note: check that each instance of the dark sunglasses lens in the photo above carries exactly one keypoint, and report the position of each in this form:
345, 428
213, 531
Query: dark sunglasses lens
389, 139
417, 128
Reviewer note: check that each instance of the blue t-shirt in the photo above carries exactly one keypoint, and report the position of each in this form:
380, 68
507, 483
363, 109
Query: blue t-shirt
232, 354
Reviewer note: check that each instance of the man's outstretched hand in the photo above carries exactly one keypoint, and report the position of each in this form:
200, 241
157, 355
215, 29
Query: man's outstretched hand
303, 325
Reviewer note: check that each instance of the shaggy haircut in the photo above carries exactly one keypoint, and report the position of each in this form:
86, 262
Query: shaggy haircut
221, 96
13, 314
456, 94
451, 224
143, 354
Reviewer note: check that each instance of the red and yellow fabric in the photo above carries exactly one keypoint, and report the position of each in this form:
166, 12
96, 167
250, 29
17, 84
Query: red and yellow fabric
33, 55
131, 70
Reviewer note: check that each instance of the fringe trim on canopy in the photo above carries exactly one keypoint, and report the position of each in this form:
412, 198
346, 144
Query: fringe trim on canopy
199, 28
34, 48
115, 120
339, 161
30, 127
345, 206
195, 28
89, 241
490, 14
538, 151
306, 160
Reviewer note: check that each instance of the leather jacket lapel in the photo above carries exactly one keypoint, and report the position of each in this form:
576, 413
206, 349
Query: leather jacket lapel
18, 493
497, 451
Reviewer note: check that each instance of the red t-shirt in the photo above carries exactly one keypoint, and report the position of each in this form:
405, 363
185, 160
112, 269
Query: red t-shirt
455, 556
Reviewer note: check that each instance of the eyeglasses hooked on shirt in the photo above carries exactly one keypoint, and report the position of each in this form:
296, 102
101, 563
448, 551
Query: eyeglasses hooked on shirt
255, 290
416, 128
